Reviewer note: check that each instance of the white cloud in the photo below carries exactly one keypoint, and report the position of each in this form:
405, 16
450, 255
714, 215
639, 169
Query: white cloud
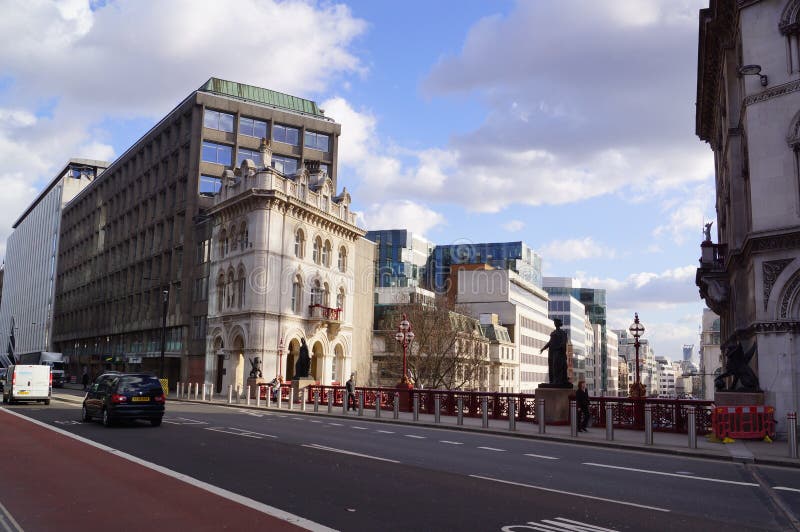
652, 290
686, 213
402, 214
514, 226
576, 249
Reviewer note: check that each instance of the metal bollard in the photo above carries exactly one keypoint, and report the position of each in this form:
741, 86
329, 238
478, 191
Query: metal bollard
540, 415
648, 425
416, 407
460, 413
291, 398
437, 414
280, 396
345, 398
211, 393
196, 390
248, 395
269, 396
360, 402
512, 414
204, 391
485, 412
378, 398
330, 401
573, 418
610, 422
178, 391
258, 395
302, 396
316, 400
230, 393
692, 426
238, 395
396, 413
791, 433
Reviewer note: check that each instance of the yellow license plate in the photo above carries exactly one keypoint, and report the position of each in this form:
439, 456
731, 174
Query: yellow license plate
141, 399
24, 392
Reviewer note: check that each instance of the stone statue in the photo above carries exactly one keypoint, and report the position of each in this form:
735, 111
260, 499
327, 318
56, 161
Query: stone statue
303, 363
557, 357
255, 371
707, 231
737, 365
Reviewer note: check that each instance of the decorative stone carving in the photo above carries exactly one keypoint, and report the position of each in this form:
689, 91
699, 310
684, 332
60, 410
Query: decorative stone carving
771, 269
780, 90
789, 295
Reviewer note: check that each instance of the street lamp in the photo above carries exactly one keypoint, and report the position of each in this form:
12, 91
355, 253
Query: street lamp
280, 360
164, 330
404, 336
637, 330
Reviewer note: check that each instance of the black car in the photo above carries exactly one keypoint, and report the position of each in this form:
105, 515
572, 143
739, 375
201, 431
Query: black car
118, 396
3, 372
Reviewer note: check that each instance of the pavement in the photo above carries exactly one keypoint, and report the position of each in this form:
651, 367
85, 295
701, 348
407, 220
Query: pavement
745, 451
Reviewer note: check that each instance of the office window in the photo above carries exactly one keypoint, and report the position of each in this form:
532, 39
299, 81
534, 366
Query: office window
317, 141
209, 185
287, 134
255, 156
253, 128
285, 165
217, 153
217, 120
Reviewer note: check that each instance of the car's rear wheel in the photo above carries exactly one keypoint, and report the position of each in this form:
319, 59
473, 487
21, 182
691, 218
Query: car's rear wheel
156, 422
85, 414
107, 419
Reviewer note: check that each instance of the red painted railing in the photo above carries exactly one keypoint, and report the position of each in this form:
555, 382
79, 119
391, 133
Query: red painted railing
325, 313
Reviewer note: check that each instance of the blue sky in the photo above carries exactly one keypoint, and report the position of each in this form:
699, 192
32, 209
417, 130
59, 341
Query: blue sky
563, 123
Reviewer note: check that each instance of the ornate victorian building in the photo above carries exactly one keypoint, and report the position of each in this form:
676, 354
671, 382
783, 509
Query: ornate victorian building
748, 110
283, 266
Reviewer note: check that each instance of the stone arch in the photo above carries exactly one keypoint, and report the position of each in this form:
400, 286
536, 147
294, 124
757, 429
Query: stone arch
218, 354
317, 352
790, 18
292, 352
338, 364
793, 135
237, 358
788, 304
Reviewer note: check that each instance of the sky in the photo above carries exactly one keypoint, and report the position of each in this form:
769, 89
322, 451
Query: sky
567, 124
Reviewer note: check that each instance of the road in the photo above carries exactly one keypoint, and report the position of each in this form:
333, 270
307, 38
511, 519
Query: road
355, 474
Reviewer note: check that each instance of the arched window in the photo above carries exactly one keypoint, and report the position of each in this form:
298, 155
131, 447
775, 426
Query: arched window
340, 303
299, 244
342, 259
326, 295
244, 235
241, 283
230, 290
326, 254
234, 237
317, 250
220, 291
297, 294
223, 243
316, 293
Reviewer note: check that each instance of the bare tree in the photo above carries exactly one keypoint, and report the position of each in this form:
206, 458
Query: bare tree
449, 350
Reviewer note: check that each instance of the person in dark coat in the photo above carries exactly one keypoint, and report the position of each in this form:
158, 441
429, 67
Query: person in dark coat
85, 378
582, 402
350, 386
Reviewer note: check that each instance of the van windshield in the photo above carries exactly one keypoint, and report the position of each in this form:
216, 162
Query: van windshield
58, 365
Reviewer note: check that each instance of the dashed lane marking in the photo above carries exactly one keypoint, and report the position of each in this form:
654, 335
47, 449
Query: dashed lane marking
335, 424
351, 453
492, 449
707, 479
385, 431
451, 442
557, 524
415, 436
545, 457
240, 432
360, 428
784, 488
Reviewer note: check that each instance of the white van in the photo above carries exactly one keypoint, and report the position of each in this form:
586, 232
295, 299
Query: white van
27, 382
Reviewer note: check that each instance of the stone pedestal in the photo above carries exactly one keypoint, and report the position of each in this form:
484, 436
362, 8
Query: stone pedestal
556, 404
738, 398
298, 385
253, 383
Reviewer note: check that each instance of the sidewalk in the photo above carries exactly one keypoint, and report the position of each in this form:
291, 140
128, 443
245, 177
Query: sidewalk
752, 451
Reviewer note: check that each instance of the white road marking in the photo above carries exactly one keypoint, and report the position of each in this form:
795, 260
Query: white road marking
184, 421
784, 488
557, 524
360, 428
240, 432
385, 431
451, 442
351, 453
736, 482
492, 449
235, 497
414, 436
70, 422
543, 456
315, 421
542, 488
335, 424
249, 412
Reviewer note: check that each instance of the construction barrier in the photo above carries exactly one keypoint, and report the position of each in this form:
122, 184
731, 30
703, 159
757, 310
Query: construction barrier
746, 422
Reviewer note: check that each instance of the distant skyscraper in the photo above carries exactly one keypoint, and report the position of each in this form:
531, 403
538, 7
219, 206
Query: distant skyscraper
513, 256
688, 350
402, 257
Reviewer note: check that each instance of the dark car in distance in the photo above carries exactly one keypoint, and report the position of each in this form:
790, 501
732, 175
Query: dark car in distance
124, 396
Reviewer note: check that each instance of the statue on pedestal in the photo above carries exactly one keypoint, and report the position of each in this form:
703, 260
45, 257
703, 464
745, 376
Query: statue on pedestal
255, 365
303, 363
737, 365
557, 357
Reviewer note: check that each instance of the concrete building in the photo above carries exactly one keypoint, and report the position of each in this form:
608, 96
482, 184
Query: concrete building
572, 314
283, 265
521, 307
612, 364
592, 356
710, 353
624, 380
665, 375
31, 258
141, 231
504, 364
748, 111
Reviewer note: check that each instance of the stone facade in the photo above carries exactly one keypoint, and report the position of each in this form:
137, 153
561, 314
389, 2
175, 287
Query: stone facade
751, 117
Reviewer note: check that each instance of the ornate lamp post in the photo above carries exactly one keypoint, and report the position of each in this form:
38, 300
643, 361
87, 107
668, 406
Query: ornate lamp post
404, 337
280, 360
637, 330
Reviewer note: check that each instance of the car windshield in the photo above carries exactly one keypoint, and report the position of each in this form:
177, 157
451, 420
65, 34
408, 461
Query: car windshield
138, 384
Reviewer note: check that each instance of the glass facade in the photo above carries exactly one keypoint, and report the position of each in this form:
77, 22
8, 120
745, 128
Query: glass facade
401, 259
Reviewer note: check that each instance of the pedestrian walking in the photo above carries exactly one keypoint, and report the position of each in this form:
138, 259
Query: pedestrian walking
350, 386
582, 401
85, 378
275, 384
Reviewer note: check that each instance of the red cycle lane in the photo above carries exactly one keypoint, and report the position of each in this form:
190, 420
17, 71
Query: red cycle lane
52, 481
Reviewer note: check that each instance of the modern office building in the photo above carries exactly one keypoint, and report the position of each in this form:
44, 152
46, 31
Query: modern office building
612, 364
283, 265
688, 352
31, 258
135, 248
572, 313
513, 256
665, 377
402, 258
748, 111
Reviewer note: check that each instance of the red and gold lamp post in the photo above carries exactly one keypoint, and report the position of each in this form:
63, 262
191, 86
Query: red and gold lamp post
636, 329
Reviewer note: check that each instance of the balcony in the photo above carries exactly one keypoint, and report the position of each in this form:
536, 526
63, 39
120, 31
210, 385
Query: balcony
711, 277
331, 317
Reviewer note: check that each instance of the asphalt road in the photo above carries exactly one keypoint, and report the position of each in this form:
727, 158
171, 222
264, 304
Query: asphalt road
355, 474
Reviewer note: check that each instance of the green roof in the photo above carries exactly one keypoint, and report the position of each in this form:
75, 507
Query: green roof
262, 96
